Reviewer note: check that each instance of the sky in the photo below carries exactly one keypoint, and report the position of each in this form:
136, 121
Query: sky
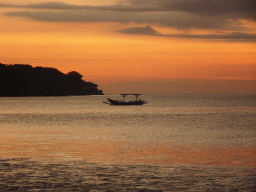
137, 46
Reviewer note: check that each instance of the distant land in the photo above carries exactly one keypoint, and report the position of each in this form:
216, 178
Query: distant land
20, 80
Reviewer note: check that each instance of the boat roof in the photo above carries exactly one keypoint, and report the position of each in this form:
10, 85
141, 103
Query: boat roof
136, 94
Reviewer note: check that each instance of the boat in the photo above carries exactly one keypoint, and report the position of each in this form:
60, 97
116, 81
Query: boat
123, 102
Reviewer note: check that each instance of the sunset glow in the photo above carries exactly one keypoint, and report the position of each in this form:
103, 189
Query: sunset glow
135, 46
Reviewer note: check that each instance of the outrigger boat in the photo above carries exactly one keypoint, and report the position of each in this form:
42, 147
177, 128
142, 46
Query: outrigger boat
123, 102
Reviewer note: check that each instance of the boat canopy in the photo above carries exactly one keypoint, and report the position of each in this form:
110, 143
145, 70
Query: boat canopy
136, 94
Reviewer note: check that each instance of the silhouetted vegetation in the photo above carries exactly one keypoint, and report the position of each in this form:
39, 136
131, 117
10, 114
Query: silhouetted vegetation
25, 80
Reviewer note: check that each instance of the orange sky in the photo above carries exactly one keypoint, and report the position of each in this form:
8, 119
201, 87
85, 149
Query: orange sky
134, 53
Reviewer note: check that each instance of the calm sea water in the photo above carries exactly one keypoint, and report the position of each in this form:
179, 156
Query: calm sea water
173, 143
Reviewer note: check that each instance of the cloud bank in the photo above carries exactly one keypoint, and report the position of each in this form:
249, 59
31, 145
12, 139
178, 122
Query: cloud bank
219, 15
141, 31
228, 8
167, 19
234, 36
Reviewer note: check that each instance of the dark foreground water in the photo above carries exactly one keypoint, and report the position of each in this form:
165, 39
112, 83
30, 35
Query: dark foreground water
28, 175
174, 143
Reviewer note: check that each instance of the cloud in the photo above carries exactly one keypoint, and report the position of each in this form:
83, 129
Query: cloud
234, 36
141, 31
64, 6
211, 10
177, 20
239, 9
47, 5
245, 9
234, 8
220, 15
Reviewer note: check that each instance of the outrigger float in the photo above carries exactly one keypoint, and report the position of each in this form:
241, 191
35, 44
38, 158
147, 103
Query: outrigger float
123, 102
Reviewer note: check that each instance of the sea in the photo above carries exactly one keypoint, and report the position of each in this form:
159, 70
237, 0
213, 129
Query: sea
172, 143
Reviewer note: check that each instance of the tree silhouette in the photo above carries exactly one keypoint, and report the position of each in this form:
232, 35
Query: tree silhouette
25, 80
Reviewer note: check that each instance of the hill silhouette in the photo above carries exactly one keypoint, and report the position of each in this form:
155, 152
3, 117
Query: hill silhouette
24, 80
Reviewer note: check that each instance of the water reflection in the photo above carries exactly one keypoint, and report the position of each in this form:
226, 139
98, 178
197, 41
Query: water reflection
120, 152
174, 143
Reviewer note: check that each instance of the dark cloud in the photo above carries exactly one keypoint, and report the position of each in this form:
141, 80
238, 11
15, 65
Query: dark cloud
55, 5
168, 19
207, 9
64, 6
141, 31
48, 5
245, 9
180, 14
235, 36
215, 7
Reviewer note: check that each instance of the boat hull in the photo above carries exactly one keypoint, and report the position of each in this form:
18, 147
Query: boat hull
118, 102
